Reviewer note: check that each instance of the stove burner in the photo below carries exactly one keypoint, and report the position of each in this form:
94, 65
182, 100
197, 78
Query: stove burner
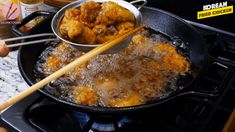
47, 115
104, 125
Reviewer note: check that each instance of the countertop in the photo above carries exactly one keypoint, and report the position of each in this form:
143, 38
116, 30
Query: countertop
11, 81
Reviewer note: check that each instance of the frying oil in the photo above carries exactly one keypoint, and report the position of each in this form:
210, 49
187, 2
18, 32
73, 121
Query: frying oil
123, 73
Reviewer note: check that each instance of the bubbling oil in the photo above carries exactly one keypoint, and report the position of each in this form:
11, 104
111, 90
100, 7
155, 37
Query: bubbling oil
136, 75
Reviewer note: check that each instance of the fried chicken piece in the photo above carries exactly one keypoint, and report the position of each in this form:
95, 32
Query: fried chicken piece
108, 83
53, 63
77, 32
87, 37
125, 27
172, 60
85, 95
71, 14
70, 21
106, 88
89, 12
112, 13
104, 33
74, 29
132, 99
104, 38
137, 40
104, 30
71, 29
63, 48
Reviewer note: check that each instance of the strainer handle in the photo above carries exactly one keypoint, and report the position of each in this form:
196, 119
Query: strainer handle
138, 1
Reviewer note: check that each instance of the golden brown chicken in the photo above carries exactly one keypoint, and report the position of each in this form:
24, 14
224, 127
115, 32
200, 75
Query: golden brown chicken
85, 95
96, 23
171, 59
112, 13
77, 32
53, 63
132, 99
123, 27
71, 14
89, 12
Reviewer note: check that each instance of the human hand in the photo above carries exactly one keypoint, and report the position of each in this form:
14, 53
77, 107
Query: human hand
4, 50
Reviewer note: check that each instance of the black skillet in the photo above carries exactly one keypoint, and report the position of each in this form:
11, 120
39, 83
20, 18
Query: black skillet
161, 21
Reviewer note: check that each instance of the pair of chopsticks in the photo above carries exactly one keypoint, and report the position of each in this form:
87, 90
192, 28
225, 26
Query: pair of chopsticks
86, 57
51, 35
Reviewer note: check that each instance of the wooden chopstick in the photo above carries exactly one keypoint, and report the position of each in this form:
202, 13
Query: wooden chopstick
229, 126
86, 57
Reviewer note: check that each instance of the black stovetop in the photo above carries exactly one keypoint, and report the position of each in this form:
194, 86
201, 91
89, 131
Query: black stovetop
195, 114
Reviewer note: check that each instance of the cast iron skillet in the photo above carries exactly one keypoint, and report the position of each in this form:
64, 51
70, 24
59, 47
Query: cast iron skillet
159, 20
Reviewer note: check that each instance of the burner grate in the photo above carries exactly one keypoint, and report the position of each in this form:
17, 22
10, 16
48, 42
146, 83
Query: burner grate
224, 50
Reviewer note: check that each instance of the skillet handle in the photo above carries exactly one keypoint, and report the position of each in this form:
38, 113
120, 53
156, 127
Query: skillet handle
144, 2
198, 93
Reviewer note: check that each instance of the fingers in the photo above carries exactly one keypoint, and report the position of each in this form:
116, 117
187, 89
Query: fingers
4, 50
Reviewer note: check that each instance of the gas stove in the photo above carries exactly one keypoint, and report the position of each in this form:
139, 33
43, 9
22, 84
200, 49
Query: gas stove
37, 113
188, 113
